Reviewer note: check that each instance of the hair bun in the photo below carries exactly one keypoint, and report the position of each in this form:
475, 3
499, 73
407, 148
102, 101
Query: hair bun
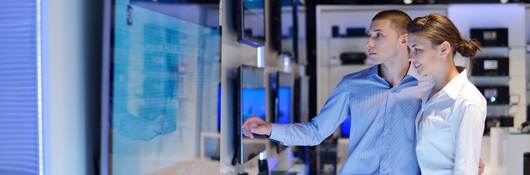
467, 48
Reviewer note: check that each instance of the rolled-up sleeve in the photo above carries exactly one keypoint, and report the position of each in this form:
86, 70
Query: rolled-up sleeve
469, 140
332, 114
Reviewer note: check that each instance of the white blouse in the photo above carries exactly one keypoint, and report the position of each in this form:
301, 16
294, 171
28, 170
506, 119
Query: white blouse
449, 129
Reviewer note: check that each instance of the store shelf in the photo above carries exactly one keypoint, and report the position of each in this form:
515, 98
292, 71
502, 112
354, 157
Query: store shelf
490, 80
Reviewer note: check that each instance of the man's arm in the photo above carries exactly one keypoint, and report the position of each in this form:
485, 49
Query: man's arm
331, 116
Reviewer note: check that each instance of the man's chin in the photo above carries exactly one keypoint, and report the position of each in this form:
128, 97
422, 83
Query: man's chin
373, 61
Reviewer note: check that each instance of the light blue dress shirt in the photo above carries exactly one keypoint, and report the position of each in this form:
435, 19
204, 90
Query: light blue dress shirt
382, 135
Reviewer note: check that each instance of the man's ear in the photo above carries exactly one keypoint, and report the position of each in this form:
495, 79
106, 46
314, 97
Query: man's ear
404, 40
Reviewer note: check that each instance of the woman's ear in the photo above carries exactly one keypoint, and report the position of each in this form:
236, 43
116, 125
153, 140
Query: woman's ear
444, 49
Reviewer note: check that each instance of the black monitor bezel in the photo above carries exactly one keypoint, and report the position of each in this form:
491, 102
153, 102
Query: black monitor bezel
239, 19
238, 122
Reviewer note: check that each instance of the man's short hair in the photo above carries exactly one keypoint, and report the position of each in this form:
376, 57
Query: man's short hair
398, 19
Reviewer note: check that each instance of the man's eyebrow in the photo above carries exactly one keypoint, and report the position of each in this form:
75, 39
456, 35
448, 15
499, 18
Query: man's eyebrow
374, 30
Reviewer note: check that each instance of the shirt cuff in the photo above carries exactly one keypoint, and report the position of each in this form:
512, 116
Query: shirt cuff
277, 132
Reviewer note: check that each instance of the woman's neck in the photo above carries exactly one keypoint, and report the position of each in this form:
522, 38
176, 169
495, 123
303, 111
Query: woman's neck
443, 78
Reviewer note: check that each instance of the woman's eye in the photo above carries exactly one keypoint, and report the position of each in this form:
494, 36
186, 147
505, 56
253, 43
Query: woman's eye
378, 35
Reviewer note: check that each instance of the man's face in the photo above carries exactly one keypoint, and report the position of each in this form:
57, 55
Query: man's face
383, 43
423, 54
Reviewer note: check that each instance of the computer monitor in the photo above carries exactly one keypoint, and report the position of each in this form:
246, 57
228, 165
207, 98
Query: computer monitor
284, 98
301, 99
249, 21
251, 101
284, 113
154, 53
219, 107
281, 87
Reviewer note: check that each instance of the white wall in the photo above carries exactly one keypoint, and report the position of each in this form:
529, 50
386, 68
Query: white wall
72, 41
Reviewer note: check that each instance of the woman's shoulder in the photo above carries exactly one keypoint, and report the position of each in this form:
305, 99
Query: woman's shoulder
470, 96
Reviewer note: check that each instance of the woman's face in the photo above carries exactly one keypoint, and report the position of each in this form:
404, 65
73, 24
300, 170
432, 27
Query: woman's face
423, 54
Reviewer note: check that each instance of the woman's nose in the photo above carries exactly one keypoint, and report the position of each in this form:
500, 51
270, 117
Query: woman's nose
412, 58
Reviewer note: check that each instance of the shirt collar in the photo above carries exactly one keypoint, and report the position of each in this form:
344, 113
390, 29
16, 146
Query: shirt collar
455, 85
451, 89
374, 72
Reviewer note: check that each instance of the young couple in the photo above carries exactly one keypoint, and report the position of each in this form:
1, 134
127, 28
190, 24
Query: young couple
414, 112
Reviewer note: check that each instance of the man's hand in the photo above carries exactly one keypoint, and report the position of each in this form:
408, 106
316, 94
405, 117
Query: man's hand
256, 125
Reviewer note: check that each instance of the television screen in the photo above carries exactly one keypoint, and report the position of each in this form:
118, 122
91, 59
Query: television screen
250, 21
281, 87
288, 37
161, 68
251, 101
219, 108
284, 105
345, 128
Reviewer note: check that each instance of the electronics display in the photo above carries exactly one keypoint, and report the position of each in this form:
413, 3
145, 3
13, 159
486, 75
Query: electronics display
275, 26
251, 101
352, 58
282, 88
350, 32
249, 21
335, 31
499, 95
155, 54
282, 97
345, 128
285, 27
284, 103
490, 66
501, 121
301, 100
494, 37
219, 107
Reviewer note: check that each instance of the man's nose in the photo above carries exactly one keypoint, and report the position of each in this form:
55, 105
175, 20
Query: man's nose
369, 43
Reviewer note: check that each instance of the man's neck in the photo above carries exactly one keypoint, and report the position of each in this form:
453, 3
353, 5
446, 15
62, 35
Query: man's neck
395, 71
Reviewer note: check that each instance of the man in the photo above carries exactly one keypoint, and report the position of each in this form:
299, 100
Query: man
382, 101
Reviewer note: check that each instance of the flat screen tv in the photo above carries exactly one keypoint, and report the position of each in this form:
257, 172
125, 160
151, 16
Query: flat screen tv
282, 99
161, 62
249, 20
251, 102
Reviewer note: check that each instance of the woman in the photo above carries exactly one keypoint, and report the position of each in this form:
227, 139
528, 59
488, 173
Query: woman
451, 122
